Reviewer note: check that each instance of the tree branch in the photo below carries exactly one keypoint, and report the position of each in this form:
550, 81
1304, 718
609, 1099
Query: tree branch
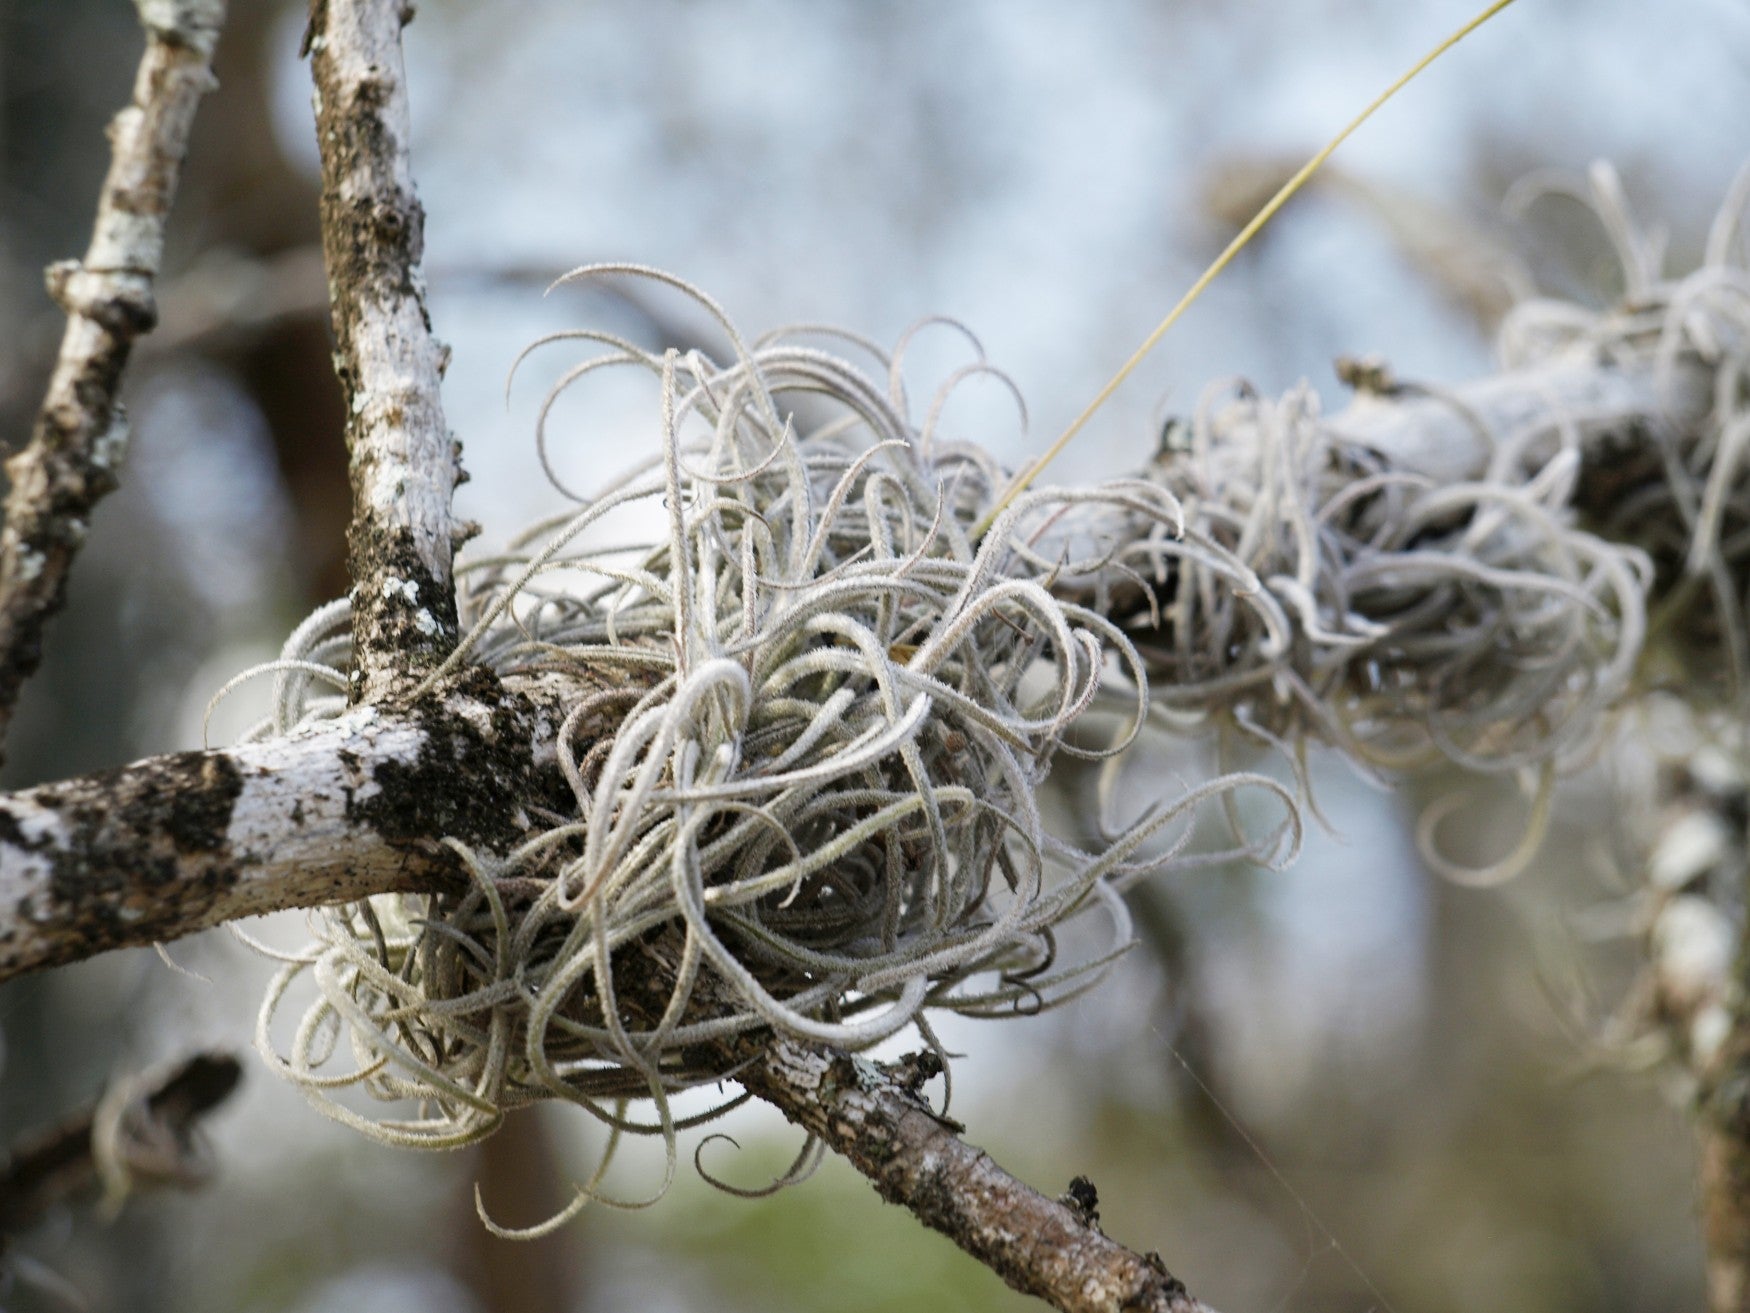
875, 1119
144, 1129
336, 813
1449, 436
113, 859
175, 844
80, 434
404, 462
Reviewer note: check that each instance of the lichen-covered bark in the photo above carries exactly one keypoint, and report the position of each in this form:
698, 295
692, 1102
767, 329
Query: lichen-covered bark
80, 434
355, 807
403, 460
171, 845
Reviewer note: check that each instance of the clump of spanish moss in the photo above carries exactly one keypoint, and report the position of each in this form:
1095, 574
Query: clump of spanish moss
814, 706
1402, 617
1490, 619
1682, 495
817, 716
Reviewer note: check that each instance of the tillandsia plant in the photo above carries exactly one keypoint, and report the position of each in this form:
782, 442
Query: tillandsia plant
733, 769
804, 727
818, 711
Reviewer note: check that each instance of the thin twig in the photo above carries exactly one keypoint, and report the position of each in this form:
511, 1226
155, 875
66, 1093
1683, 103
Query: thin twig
80, 434
876, 1117
404, 462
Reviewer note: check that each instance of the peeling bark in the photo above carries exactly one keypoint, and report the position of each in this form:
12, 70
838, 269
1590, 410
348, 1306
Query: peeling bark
404, 462
80, 435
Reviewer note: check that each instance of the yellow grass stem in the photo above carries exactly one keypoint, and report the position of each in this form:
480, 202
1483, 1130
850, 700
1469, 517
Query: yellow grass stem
1031, 471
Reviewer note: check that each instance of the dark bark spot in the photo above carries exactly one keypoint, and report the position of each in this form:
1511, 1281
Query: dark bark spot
1083, 1199
11, 834
373, 90
391, 620
200, 807
119, 888
469, 783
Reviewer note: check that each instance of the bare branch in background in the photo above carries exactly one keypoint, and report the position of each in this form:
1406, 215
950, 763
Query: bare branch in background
1467, 261
144, 1131
80, 434
404, 462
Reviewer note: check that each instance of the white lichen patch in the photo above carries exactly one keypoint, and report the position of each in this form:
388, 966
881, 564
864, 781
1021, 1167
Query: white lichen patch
1692, 944
111, 447
406, 589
